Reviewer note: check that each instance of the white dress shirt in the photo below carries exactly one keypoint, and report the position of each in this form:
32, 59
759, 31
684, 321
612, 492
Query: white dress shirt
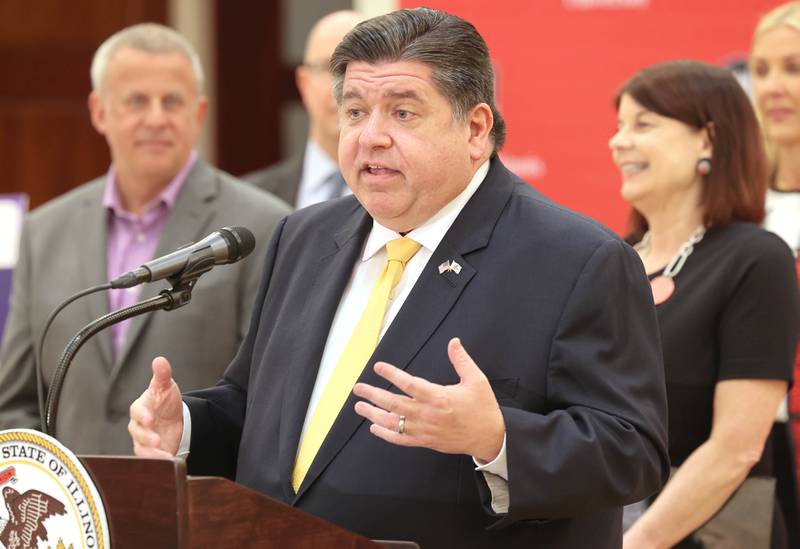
354, 300
783, 216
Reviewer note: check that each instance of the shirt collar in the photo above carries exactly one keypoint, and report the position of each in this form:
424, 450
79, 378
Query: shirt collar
317, 166
167, 197
430, 233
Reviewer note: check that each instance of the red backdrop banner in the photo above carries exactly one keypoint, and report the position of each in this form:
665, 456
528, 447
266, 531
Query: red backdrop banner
560, 62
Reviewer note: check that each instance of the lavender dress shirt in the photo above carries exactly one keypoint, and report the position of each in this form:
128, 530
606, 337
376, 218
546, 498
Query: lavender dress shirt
132, 240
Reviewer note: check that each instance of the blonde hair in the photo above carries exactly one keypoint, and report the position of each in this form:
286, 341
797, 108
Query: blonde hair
788, 15
785, 14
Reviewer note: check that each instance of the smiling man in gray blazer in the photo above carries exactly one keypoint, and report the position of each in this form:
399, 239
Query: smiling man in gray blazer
158, 195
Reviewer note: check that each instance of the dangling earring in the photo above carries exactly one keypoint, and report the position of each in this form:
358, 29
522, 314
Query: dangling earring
704, 166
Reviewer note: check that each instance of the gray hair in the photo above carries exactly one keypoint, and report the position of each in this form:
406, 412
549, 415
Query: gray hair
146, 37
449, 45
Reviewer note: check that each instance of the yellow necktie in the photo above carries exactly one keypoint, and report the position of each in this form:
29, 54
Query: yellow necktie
354, 357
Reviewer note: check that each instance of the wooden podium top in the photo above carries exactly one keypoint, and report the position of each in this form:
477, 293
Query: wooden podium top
152, 503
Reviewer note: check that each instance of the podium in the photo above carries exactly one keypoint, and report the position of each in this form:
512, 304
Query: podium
152, 503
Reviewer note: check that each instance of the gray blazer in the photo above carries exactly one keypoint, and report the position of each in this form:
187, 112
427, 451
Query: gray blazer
63, 250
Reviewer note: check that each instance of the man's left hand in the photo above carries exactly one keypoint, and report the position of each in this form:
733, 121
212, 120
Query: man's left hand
455, 419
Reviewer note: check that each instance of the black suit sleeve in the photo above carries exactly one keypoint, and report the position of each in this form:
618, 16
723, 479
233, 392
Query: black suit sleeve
603, 443
218, 413
759, 324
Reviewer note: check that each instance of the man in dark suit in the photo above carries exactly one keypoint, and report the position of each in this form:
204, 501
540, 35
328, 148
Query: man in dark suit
158, 195
313, 175
511, 393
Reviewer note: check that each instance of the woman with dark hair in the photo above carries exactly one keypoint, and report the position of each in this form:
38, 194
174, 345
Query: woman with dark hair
694, 170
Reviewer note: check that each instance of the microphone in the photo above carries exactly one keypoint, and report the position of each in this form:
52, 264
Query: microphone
227, 245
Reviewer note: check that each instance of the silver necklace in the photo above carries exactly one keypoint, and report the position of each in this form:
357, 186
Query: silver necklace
663, 286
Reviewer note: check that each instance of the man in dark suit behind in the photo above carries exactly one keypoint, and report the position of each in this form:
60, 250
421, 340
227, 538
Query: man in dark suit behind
515, 395
313, 175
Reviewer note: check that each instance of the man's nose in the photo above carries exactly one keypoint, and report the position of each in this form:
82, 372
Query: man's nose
155, 115
375, 132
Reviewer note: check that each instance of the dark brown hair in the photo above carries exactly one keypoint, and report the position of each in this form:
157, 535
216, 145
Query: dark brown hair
449, 45
705, 96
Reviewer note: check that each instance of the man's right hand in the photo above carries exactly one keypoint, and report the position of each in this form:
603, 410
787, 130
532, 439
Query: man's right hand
156, 423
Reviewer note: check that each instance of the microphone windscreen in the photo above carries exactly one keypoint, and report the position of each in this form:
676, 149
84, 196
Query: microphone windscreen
241, 241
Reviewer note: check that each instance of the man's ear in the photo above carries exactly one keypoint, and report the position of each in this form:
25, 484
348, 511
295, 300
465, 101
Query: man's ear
97, 112
479, 122
202, 109
301, 76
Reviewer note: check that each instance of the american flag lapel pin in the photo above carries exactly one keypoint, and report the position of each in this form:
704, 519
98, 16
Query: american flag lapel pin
449, 266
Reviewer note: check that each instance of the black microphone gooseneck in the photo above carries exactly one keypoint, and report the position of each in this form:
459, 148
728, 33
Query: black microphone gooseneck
177, 296
38, 359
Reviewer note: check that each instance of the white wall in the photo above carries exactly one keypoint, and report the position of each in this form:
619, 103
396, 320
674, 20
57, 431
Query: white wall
194, 20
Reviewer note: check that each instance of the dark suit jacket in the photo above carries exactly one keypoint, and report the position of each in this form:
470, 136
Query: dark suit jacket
63, 249
281, 179
557, 312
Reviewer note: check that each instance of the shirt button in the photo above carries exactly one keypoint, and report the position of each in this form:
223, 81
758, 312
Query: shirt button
140, 237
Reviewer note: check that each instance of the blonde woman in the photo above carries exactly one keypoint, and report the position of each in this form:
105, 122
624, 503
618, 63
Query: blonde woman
775, 70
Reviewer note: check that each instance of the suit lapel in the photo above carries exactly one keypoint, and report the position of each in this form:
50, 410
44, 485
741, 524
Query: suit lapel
290, 187
431, 299
331, 274
93, 258
187, 223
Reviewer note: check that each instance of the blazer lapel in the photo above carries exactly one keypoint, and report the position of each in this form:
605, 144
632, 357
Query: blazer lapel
331, 274
188, 221
290, 186
435, 293
93, 259
431, 299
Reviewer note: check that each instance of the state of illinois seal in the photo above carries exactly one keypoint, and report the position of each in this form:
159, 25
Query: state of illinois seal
49, 500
